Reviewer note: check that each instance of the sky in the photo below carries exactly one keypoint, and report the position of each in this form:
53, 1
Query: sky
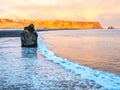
107, 12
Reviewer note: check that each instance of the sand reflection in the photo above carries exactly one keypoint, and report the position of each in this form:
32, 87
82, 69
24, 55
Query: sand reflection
92, 49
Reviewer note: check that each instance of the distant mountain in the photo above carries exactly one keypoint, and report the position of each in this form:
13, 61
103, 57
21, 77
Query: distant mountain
49, 24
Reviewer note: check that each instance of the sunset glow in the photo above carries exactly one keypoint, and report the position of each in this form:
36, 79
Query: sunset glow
107, 12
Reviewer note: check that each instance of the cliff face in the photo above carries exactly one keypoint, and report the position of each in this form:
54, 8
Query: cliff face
70, 24
50, 24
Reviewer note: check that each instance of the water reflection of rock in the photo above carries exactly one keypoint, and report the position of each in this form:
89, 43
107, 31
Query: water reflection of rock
29, 52
29, 66
29, 58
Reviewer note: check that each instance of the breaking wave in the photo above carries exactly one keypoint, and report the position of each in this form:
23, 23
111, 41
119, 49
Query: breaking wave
107, 80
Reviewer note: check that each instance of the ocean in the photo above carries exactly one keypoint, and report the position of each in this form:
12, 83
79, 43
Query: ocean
64, 60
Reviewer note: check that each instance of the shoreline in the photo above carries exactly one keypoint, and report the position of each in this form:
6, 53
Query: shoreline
10, 33
17, 32
80, 51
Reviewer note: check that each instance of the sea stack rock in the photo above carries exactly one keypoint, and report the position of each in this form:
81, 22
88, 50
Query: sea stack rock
29, 36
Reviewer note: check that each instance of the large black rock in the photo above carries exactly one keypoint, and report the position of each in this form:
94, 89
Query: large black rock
29, 36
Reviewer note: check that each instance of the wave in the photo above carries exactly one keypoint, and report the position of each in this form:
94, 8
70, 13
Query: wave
107, 80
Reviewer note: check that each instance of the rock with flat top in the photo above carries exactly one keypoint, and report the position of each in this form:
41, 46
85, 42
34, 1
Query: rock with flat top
29, 36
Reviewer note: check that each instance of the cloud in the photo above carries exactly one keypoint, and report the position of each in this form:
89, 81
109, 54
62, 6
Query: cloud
80, 10
109, 19
14, 14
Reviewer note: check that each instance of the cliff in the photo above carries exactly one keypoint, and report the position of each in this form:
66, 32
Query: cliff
49, 24
70, 24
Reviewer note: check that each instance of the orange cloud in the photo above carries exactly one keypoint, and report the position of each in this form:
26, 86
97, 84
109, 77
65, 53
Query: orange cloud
80, 10
14, 14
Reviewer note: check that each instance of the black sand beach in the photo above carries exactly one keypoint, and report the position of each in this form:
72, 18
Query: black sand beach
10, 33
17, 33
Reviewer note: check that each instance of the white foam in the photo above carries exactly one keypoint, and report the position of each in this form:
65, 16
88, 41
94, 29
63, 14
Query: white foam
107, 80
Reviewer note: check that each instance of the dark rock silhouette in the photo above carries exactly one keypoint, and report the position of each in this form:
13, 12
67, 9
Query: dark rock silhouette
110, 27
29, 36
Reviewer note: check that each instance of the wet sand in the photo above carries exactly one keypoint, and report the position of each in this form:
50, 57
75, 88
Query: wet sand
91, 51
17, 33
10, 33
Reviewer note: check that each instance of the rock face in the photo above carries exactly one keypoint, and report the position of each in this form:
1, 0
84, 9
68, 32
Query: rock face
29, 36
50, 24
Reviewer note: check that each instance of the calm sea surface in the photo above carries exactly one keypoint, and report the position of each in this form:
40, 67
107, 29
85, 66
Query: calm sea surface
97, 49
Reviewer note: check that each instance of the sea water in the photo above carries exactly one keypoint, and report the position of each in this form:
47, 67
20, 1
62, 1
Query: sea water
41, 69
